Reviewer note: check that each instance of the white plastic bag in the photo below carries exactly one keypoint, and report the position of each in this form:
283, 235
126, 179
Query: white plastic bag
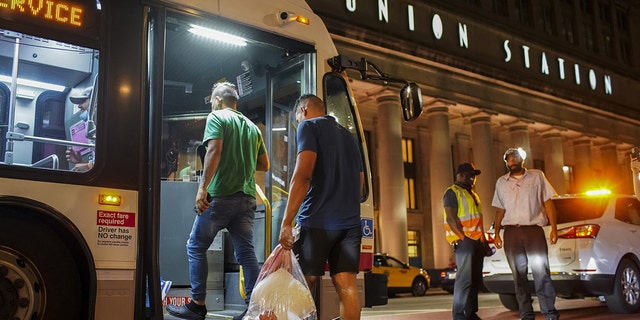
281, 292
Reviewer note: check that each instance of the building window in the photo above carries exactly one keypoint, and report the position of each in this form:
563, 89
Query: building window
567, 20
475, 3
569, 178
586, 7
413, 243
605, 13
587, 30
623, 21
548, 19
567, 28
500, 8
606, 27
524, 12
625, 52
409, 173
607, 43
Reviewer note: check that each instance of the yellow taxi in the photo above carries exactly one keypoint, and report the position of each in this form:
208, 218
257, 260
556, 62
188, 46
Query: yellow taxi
401, 277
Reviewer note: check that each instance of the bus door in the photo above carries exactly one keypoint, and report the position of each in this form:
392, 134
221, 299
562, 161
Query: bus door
286, 84
270, 72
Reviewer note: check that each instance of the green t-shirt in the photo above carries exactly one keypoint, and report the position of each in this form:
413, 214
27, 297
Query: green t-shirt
241, 144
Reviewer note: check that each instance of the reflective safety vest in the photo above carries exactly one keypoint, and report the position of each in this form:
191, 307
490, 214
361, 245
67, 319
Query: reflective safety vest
469, 213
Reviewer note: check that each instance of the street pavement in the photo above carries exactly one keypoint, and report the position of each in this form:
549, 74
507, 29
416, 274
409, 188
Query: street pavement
436, 305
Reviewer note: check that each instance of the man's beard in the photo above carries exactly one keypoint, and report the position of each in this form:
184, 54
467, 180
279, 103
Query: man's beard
515, 168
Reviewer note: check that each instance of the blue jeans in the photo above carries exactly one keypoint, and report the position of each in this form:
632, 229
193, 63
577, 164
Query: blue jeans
236, 213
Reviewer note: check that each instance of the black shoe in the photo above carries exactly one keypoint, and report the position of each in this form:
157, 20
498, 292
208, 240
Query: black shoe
474, 317
239, 317
186, 312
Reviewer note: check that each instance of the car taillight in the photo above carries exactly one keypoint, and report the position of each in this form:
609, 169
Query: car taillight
578, 232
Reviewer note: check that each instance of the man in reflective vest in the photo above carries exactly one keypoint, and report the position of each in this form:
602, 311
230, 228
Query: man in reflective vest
464, 231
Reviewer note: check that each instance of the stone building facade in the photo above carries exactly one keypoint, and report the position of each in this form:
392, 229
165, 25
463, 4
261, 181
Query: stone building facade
558, 78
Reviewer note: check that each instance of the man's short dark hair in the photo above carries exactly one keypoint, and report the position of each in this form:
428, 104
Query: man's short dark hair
302, 99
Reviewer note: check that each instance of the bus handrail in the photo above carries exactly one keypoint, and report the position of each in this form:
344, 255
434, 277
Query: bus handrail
284, 192
22, 137
53, 158
267, 221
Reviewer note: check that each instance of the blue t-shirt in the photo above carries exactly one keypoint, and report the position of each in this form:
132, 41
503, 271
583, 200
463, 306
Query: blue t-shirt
333, 200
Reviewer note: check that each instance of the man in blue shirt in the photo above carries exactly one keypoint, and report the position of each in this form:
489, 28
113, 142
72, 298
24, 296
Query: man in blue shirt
325, 189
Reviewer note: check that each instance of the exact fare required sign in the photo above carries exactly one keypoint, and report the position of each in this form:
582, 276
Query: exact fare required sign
115, 228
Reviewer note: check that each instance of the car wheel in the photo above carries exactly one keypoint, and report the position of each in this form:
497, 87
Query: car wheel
626, 289
419, 287
509, 301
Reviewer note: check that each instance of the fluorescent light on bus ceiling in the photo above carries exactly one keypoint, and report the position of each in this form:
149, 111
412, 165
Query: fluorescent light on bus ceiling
34, 84
218, 35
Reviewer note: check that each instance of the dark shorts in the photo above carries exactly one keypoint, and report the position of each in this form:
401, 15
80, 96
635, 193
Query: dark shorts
341, 248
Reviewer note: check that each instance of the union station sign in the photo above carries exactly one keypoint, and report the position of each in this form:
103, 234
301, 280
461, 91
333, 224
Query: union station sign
418, 22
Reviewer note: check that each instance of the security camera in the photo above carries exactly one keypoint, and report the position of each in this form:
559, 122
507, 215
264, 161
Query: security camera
285, 17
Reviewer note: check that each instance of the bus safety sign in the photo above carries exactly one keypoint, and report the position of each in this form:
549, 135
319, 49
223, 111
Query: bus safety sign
115, 229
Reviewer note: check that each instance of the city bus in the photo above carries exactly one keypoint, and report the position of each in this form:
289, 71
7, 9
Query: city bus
102, 111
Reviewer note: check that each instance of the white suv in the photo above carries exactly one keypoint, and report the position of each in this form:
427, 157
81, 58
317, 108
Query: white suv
597, 253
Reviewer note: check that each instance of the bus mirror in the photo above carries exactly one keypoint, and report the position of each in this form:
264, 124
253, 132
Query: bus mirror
411, 100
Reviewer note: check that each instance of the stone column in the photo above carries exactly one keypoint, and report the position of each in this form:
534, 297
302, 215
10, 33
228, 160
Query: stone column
462, 148
441, 173
583, 172
554, 160
482, 144
611, 177
393, 209
424, 148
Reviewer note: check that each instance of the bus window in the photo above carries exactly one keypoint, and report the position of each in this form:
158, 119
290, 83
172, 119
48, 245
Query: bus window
5, 95
47, 103
338, 101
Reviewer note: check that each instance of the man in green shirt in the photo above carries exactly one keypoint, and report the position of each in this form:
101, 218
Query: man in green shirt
226, 196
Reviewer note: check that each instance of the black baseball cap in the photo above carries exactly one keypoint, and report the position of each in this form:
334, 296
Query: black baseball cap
468, 167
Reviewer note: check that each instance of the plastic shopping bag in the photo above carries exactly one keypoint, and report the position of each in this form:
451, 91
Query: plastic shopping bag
281, 292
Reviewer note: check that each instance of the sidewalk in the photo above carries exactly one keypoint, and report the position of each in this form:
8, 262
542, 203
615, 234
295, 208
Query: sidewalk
574, 309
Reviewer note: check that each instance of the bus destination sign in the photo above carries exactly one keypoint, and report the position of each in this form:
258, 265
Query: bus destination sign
57, 12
